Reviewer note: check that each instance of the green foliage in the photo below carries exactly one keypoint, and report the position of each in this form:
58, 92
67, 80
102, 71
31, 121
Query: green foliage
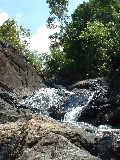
91, 40
34, 59
57, 7
11, 33
58, 10
55, 61
97, 48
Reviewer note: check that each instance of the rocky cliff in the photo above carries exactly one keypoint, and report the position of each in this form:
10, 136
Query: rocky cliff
14, 71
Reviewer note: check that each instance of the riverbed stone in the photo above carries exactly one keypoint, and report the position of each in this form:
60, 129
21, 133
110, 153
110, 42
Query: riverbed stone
40, 137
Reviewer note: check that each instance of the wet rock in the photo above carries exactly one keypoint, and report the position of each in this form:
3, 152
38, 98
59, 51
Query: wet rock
102, 141
89, 83
70, 100
115, 81
114, 92
94, 114
103, 108
53, 79
97, 116
57, 112
112, 118
12, 99
107, 147
9, 113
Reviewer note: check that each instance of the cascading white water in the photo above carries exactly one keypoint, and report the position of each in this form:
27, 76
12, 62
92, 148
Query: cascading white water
73, 113
45, 98
71, 116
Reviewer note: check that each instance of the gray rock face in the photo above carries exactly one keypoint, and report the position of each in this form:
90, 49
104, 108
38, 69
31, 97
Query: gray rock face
14, 71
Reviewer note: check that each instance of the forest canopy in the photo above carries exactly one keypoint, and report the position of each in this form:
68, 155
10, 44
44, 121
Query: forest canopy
90, 42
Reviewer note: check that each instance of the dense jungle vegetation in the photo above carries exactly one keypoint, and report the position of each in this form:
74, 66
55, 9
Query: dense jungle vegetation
88, 46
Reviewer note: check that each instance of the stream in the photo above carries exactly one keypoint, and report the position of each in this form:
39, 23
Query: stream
68, 106
72, 102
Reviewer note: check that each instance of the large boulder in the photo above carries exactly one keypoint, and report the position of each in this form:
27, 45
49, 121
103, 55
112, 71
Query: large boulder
14, 71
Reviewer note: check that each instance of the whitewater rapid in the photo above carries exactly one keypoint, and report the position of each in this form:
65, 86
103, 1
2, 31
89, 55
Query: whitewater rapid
45, 98
74, 102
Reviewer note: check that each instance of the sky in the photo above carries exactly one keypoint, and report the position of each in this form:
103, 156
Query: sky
33, 14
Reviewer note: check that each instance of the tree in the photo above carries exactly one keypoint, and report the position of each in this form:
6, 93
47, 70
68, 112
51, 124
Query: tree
92, 39
97, 49
34, 59
58, 10
16, 36
54, 61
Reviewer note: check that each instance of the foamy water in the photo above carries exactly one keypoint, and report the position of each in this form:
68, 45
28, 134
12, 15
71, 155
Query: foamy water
80, 103
45, 98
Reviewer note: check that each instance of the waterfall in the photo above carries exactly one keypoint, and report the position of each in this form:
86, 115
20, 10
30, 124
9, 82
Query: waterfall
72, 115
74, 102
75, 111
45, 98
41, 100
